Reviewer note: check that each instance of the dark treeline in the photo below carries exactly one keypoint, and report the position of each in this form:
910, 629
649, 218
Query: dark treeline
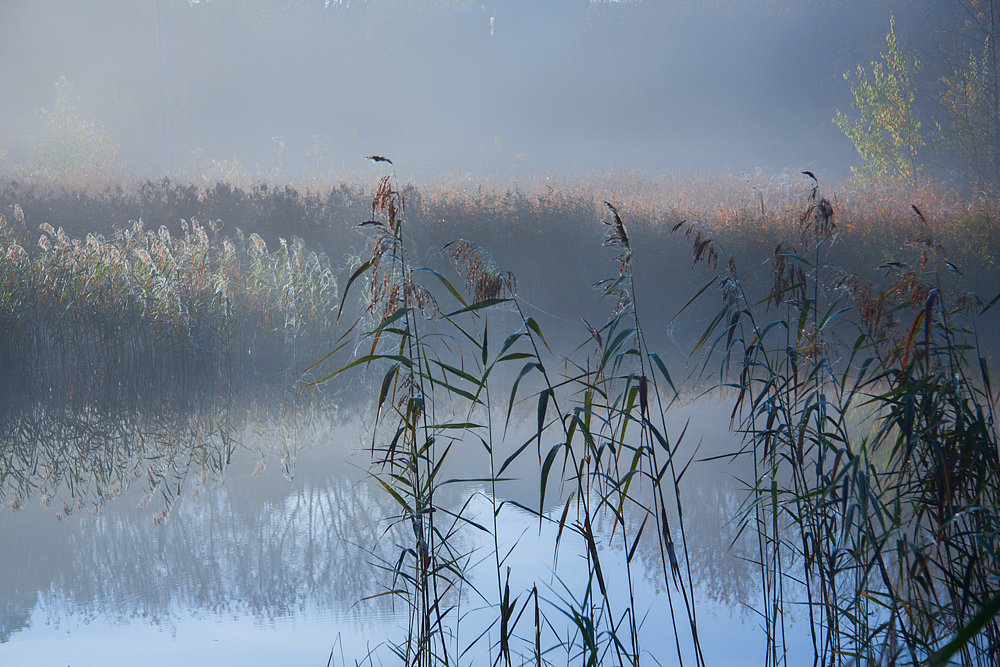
271, 211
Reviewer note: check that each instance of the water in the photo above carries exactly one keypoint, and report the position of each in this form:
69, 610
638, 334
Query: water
258, 549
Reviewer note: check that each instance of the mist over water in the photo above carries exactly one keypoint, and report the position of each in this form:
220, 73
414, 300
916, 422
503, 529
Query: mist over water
504, 87
258, 259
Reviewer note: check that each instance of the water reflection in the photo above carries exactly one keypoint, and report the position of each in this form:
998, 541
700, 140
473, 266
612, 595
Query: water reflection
260, 509
253, 540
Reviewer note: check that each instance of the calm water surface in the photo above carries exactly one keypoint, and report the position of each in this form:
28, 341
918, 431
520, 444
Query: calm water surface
256, 546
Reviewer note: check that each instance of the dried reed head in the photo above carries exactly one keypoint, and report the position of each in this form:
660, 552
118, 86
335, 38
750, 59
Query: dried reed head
389, 203
817, 219
618, 237
483, 277
16, 253
872, 308
420, 299
787, 281
618, 290
257, 246
594, 333
703, 247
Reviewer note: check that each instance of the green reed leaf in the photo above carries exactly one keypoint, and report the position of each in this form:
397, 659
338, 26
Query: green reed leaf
544, 480
358, 272
543, 402
531, 324
454, 292
983, 617
479, 305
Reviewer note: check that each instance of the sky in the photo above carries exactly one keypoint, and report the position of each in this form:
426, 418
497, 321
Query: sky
287, 89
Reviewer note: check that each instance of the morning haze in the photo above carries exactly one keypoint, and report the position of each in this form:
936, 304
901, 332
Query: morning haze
508, 87
499, 333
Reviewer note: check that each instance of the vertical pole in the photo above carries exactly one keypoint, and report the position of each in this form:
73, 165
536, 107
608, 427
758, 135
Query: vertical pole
995, 87
162, 62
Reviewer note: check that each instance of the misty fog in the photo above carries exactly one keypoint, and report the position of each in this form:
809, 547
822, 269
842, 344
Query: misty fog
504, 87
329, 328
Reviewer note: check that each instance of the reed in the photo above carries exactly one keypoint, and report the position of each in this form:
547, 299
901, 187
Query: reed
600, 446
864, 397
520, 223
867, 411
114, 316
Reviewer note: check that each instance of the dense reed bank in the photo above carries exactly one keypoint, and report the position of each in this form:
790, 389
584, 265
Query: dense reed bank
113, 317
852, 348
865, 409
537, 225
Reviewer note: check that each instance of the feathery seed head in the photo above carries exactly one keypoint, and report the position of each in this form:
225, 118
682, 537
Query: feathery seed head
618, 237
257, 245
483, 277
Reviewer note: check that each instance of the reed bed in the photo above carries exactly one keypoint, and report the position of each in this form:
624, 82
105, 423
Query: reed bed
866, 410
862, 391
112, 316
748, 213
534, 224
600, 442
122, 354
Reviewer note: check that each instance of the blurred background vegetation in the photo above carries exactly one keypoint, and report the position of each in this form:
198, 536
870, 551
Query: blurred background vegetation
299, 90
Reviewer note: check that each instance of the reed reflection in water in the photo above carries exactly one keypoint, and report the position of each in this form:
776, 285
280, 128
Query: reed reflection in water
237, 528
250, 521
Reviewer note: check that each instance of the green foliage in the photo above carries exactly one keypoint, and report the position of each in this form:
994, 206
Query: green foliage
887, 133
71, 144
968, 99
